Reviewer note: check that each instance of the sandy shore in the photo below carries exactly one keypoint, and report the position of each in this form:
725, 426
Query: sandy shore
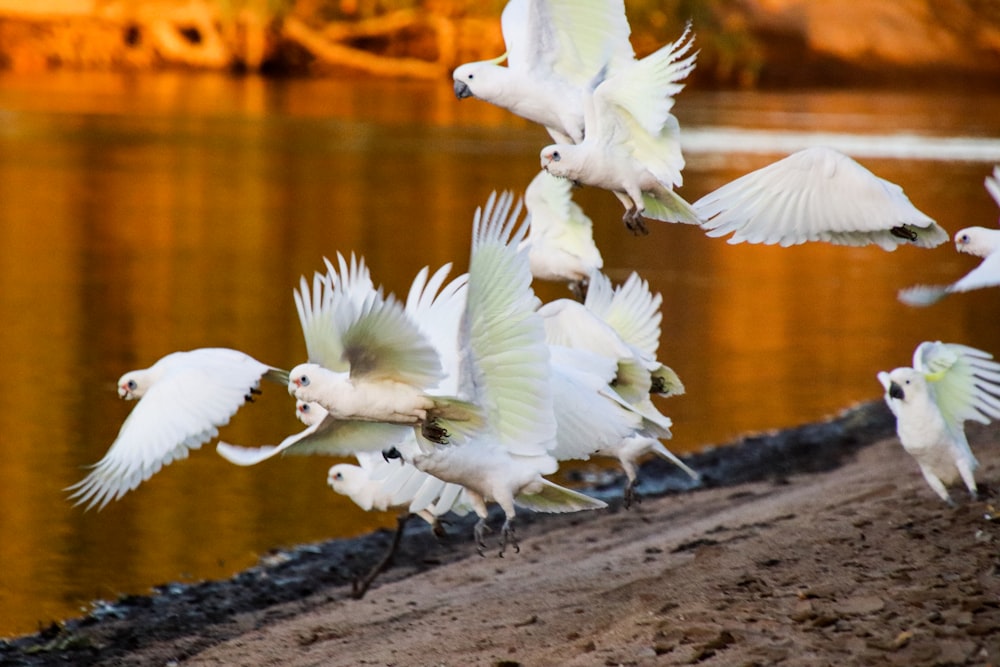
859, 563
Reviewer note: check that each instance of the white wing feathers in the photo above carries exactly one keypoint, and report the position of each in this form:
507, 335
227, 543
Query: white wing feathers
644, 89
965, 381
574, 39
507, 355
631, 309
993, 185
197, 393
817, 194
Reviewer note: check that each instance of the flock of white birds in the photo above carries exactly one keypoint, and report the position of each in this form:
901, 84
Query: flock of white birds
470, 390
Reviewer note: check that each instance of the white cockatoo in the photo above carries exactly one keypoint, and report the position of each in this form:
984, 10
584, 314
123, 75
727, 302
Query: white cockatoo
504, 368
560, 239
556, 51
979, 241
183, 399
622, 326
368, 359
947, 385
430, 311
631, 144
816, 194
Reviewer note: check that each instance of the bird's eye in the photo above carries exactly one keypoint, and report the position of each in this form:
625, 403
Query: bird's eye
304, 409
338, 476
555, 156
964, 238
471, 77
133, 385
304, 380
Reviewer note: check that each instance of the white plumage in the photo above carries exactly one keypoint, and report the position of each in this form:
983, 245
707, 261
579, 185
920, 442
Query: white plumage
816, 194
556, 51
622, 327
947, 385
560, 239
977, 241
631, 144
505, 370
183, 400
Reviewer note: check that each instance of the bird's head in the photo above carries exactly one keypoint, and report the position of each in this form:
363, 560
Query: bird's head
903, 384
347, 479
551, 156
309, 413
977, 241
300, 378
131, 386
479, 79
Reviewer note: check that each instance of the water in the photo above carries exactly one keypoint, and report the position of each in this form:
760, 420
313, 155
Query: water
142, 214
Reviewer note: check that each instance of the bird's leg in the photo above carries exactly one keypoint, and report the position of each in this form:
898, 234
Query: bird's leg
579, 289
360, 585
633, 220
507, 537
938, 486
254, 391
965, 470
479, 532
631, 495
433, 431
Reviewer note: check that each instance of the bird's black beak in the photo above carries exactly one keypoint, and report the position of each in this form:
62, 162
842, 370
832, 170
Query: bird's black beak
462, 90
895, 391
391, 453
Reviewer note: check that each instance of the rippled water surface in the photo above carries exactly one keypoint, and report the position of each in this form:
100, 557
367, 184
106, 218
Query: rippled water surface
144, 214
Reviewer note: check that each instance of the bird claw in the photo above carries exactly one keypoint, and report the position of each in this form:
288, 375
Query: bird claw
631, 495
434, 432
507, 537
479, 532
633, 221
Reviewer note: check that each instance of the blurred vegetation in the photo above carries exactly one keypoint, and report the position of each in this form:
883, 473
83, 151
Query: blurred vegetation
741, 43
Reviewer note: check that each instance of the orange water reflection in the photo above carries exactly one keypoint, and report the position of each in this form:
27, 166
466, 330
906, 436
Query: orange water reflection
144, 214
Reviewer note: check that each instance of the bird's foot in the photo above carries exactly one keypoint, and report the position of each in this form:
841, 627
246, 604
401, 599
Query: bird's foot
253, 392
631, 496
439, 529
633, 220
507, 537
904, 232
579, 289
434, 432
479, 532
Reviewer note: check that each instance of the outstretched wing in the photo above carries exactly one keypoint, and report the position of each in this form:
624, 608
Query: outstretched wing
178, 413
816, 194
631, 309
329, 437
381, 341
341, 289
437, 311
993, 185
987, 274
507, 360
632, 107
573, 39
965, 381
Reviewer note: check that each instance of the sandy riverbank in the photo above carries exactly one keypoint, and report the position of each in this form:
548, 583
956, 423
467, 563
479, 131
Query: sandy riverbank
815, 546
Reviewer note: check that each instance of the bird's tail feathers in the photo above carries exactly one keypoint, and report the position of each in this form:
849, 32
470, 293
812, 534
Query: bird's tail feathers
666, 205
556, 499
665, 453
